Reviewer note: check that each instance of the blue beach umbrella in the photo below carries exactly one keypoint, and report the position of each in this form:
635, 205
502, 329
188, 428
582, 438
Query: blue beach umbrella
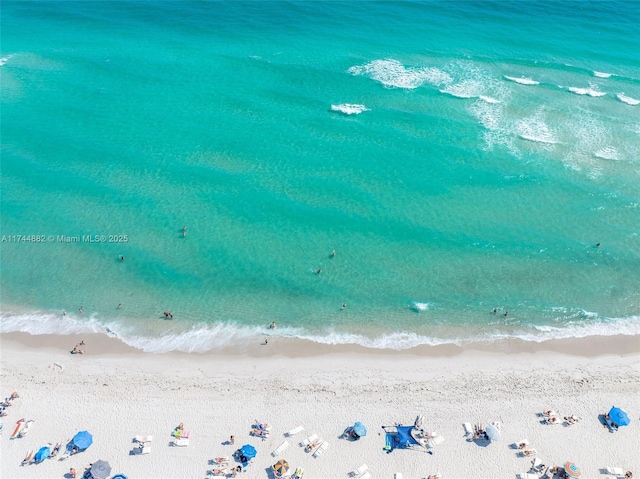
82, 440
618, 416
248, 451
360, 429
42, 454
119, 476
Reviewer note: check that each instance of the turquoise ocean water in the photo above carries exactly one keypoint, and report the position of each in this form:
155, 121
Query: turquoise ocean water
457, 156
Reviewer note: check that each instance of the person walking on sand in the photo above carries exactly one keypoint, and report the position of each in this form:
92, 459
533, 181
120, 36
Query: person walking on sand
266, 341
232, 440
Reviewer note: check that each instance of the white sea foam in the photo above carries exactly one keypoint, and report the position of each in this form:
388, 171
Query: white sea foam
415, 306
535, 129
489, 99
205, 337
4, 60
392, 73
522, 80
465, 89
586, 91
602, 75
627, 99
349, 108
607, 153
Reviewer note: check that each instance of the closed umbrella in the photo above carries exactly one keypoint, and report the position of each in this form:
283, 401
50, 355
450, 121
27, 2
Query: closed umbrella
82, 440
572, 470
100, 470
619, 417
360, 429
281, 467
42, 454
493, 432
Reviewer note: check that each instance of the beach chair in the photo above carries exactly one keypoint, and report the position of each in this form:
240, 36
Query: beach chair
521, 444
262, 425
366, 475
313, 445
294, 431
323, 447
528, 452
143, 438
526, 475
181, 441
435, 441
221, 460
25, 429
298, 474
536, 464
616, 471
145, 447
397, 475
308, 440
551, 420
28, 457
221, 472
280, 449
359, 471
468, 429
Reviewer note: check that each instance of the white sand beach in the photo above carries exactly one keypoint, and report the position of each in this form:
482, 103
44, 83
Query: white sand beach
116, 392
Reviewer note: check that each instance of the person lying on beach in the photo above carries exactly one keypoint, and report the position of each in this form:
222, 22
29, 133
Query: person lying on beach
72, 473
77, 350
549, 413
628, 475
13, 396
552, 420
522, 445
572, 419
529, 452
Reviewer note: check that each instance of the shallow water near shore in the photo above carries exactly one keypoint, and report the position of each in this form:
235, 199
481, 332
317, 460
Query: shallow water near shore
458, 158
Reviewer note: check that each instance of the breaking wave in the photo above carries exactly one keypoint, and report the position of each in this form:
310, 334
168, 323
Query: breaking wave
349, 108
392, 73
522, 80
627, 99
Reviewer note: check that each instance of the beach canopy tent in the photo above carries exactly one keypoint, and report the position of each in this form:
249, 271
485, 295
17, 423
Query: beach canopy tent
82, 440
572, 471
281, 467
245, 454
493, 432
619, 417
400, 437
100, 470
42, 454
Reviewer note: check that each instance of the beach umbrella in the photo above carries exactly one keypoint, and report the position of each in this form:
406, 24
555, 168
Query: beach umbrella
42, 454
281, 467
572, 470
248, 451
619, 417
493, 432
119, 476
359, 429
100, 470
82, 440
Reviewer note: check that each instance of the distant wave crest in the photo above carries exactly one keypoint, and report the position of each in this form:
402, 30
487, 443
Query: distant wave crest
607, 153
602, 74
392, 73
627, 99
586, 91
349, 108
522, 80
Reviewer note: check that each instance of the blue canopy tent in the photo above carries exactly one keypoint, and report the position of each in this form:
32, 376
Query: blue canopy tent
400, 437
82, 440
42, 454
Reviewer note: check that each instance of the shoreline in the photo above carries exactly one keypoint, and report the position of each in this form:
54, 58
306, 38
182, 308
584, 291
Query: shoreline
104, 344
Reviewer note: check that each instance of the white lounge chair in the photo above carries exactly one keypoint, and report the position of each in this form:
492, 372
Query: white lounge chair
536, 464
616, 471
182, 441
468, 429
144, 438
308, 440
323, 447
359, 471
526, 475
145, 447
366, 475
522, 444
397, 475
294, 431
435, 441
221, 459
528, 452
280, 449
